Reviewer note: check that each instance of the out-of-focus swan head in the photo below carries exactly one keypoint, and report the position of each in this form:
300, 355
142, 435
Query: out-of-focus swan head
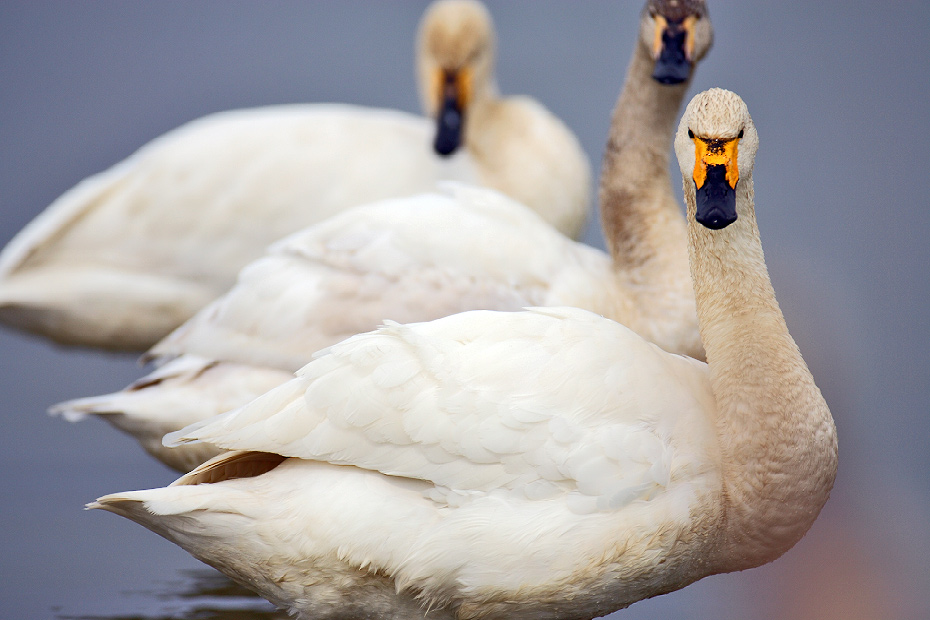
677, 33
716, 146
455, 61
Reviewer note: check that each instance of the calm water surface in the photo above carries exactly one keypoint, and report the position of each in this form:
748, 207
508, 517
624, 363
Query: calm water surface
195, 594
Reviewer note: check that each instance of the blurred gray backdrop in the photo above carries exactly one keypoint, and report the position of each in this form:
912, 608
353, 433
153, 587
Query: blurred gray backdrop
838, 91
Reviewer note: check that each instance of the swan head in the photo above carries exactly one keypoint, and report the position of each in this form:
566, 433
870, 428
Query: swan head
455, 61
716, 145
677, 33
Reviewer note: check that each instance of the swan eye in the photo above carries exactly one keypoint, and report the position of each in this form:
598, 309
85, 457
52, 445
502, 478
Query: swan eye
691, 134
740, 135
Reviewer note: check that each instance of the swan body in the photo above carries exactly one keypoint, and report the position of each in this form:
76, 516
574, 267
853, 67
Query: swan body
425, 257
540, 464
414, 258
408, 259
129, 254
520, 467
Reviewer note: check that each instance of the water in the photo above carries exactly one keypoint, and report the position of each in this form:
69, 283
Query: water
838, 97
194, 594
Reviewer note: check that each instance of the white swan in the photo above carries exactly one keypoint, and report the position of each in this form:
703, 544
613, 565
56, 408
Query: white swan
542, 464
425, 257
129, 254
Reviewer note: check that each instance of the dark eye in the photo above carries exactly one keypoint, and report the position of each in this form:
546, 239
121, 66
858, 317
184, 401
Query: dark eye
740, 134
691, 134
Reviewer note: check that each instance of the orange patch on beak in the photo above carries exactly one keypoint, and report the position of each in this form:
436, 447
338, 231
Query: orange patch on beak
437, 78
712, 152
460, 85
687, 25
661, 24
463, 82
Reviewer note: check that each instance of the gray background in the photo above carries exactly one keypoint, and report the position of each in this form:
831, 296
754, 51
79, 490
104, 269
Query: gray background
838, 91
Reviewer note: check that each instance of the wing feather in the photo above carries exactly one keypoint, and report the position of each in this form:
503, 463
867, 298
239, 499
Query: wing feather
537, 402
412, 259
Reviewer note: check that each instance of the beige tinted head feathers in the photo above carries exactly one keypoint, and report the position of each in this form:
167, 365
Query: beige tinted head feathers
677, 34
455, 64
717, 143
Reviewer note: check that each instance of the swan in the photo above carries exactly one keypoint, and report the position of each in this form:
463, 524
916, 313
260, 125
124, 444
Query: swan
424, 257
540, 464
129, 254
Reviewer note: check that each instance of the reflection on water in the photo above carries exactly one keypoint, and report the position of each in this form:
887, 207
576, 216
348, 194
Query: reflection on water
198, 594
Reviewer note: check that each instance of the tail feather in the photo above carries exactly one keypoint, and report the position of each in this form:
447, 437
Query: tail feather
58, 217
78, 409
142, 397
99, 305
231, 465
184, 391
181, 517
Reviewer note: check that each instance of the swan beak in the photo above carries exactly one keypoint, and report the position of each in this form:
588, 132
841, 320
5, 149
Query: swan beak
453, 87
673, 49
715, 178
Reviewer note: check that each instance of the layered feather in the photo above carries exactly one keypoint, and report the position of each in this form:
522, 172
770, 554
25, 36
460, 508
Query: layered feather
416, 258
475, 445
130, 254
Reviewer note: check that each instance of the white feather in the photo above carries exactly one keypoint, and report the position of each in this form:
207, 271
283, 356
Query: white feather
458, 417
129, 254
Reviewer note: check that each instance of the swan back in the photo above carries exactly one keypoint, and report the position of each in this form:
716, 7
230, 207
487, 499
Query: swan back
131, 253
439, 382
577, 479
411, 259
126, 256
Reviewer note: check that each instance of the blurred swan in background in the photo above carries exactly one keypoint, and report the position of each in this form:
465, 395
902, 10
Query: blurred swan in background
424, 257
539, 464
129, 254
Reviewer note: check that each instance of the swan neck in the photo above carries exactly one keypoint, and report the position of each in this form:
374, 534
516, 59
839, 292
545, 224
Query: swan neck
777, 438
482, 113
637, 204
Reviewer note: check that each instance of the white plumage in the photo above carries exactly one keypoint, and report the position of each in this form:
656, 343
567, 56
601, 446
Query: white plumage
409, 259
538, 464
406, 259
129, 254
486, 401
424, 257
174, 396
499, 458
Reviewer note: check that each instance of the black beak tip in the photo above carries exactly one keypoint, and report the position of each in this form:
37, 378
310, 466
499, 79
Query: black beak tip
715, 201
444, 146
715, 220
672, 65
668, 79
448, 130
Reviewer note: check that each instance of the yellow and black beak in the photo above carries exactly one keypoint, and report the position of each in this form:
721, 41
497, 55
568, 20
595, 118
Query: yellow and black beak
715, 177
673, 49
453, 95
